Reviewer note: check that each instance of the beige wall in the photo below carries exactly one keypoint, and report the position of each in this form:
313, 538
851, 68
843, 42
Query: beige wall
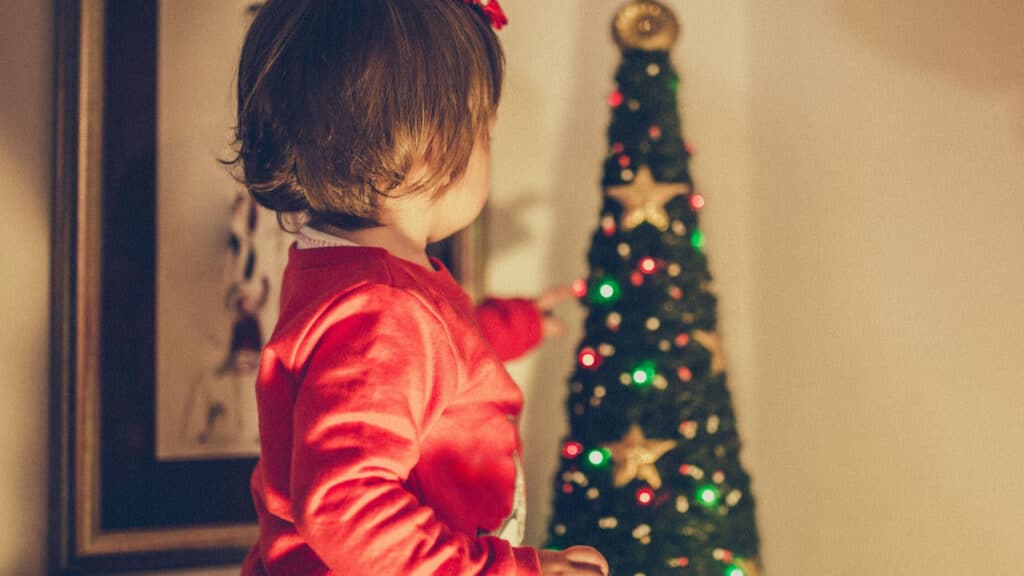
887, 160
25, 168
862, 163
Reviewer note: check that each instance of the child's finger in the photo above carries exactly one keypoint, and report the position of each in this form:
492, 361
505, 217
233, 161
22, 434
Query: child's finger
551, 326
587, 555
552, 297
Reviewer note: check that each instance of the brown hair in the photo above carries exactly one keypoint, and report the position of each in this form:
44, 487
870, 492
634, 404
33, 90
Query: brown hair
338, 98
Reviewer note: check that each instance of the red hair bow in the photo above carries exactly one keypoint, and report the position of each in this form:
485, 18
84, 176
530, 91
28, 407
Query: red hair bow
491, 10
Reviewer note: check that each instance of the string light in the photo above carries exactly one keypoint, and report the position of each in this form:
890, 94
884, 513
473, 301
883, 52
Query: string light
654, 132
644, 496
579, 287
734, 570
589, 358
684, 373
572, 449
625, 161
608, 226
615, 99
636, 278
680, 562
648, 265
688, 429
708, 496
599, 457
644, 373
692, 471
606, 291
613, 321
712, 424
733, 497
696, 202
697, 239
682, 340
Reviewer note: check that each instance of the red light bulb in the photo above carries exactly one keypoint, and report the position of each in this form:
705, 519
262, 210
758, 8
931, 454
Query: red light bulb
615, 99
648, 265
589, 358
579, 287
644, 496
572, 449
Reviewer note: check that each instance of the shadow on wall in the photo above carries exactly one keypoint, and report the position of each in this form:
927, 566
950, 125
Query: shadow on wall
977, 44
574, 200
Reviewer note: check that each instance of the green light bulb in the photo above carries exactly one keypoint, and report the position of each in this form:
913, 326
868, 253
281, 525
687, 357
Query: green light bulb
697, 239
598, 457
606, 291
644, 374
734, 570
708, 496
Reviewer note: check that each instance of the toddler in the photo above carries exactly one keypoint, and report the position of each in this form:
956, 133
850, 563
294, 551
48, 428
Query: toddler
388, 425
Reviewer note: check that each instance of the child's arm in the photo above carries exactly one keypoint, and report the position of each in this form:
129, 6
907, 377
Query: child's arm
514, 326
377, 378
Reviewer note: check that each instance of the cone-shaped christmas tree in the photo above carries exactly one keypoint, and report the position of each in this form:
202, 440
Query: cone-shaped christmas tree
650, 472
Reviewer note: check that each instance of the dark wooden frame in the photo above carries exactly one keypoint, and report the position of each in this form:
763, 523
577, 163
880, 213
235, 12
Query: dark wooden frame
115, 507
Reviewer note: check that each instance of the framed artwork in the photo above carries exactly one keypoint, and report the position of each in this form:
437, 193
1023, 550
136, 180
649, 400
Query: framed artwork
166, 280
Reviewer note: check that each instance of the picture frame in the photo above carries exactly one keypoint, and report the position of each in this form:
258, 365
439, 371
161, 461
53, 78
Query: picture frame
115, 504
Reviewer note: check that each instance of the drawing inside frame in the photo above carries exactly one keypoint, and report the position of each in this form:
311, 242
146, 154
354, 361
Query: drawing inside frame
166, 286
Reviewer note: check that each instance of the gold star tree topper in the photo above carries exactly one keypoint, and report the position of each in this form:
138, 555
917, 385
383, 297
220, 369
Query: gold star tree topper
643, 200
634, 457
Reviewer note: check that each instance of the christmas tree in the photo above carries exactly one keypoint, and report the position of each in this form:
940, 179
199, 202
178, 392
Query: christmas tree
650, 472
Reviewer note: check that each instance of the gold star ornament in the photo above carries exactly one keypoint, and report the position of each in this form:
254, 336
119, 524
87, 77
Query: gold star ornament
634, 457
711, 343
643, 200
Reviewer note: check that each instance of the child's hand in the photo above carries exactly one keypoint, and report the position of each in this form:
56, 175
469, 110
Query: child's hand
575, 561
546, 302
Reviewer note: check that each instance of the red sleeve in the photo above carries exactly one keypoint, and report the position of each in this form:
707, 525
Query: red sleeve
380, 374
513, 326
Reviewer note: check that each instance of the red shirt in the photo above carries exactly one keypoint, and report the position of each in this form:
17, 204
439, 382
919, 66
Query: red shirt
388, 424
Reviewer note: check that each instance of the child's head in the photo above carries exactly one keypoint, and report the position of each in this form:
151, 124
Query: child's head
344, 103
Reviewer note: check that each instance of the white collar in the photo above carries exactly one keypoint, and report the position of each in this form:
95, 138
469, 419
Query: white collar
309, 237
